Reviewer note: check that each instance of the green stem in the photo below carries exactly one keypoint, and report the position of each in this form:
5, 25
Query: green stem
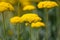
58, 22
34, 34
18, 31
30, 32
4, 25
46, 22
38, 34
18, 8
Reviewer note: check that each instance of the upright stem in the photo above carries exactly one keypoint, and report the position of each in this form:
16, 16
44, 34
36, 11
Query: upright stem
30, 32
58, 22
4, 25
18, 8
46, 22
18, 25
18, 31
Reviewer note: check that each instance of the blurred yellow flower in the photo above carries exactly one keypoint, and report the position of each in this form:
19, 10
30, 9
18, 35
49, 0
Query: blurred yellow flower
29, 7
11, 7
30, 17
12, 1
47, 4
9, 1
5, 6
25, 2
15, 19
37, 24
2, 9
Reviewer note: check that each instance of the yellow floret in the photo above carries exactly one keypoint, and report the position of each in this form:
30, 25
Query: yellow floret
2, 9
47, 4
12, 1
29, 7
9, 1
15, 19
5, 6
10, 7
30, 17
37, 24
25, 2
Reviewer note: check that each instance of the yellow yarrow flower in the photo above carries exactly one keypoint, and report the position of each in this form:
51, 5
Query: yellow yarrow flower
29, 7
15, 19
37, 24
12, 1
5, 6
30, 17
25, 2
11, 8
47, 4
2, 9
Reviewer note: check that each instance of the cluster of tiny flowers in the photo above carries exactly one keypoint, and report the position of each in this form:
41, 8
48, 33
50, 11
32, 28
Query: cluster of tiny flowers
29, 7
30, 17
10, 1
47, 4
5, 6
15, 20
37, 24
33, 20
25, 2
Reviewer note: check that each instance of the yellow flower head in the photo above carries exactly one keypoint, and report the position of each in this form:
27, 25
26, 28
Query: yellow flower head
12, 1
30, 17
5, 6
25, 2
47, 4
37, 24
2, 9
29, 7
15, 19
